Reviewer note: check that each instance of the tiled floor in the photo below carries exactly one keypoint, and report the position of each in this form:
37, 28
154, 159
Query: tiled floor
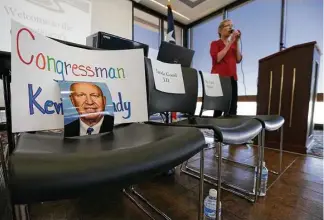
297, 194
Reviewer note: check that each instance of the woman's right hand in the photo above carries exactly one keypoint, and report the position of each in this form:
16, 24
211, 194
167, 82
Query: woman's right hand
231, 41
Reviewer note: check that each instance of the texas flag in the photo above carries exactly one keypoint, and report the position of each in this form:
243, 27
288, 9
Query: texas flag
170, 32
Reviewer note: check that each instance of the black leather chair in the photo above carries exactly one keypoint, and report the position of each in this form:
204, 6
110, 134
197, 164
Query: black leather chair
269, 122
231, 131
48, 167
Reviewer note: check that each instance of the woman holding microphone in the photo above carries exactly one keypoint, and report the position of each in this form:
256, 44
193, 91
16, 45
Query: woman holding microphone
225, 54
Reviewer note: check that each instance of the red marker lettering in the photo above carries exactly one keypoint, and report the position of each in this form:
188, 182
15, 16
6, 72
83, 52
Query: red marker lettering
43, 61
18, 49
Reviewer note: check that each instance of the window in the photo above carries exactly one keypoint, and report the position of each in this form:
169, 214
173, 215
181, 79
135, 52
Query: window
304, 24
146, 29
259, 22
201, 37
178, 33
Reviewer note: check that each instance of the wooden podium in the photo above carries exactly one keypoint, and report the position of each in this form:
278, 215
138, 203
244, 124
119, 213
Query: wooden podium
287, 86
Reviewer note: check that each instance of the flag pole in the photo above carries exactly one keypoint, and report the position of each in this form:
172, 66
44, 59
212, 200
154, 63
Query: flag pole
170, 22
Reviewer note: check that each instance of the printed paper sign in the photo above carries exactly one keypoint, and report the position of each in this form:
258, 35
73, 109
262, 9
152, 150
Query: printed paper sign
213, 86
37, 62
88, 108
168, 77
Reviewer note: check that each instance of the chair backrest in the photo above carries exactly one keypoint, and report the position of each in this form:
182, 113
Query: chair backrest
159, 102
222, 103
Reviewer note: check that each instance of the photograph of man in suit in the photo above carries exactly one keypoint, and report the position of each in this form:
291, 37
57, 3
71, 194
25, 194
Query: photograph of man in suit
90, 102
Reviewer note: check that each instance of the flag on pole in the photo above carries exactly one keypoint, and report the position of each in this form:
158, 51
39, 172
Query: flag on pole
170, 31
171, 39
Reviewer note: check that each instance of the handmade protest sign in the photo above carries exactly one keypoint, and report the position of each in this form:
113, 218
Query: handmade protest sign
168, 77
37, 62
213, 87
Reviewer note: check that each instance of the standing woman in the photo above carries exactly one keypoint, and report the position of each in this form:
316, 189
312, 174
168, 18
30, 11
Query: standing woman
225, 54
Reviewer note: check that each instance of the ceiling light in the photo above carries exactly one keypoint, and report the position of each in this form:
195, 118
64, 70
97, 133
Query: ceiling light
175, 12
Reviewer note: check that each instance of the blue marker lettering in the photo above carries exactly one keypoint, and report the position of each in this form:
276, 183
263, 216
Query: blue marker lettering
32, 100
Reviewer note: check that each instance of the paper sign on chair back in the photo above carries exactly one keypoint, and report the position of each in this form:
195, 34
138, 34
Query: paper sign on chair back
37, 62
168, 77
213, 87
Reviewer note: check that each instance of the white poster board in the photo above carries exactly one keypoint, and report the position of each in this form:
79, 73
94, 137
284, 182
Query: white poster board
64, 20
38, 61
168, 77
213, 86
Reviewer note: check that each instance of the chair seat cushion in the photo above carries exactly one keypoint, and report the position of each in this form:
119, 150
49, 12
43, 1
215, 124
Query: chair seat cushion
49, 167
232, 130
269, 122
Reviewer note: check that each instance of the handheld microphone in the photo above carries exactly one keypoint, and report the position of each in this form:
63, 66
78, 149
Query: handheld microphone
232, 30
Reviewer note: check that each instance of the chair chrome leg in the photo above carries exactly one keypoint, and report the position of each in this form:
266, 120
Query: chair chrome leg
273, 172
21, 212
237, 190
233, 161
150, 204
280, 154
137, 204
210, 147
258, 168
258, 189
201, 187
224, 184
214, 179
182, 165
281, 146
147, 202
201, 184
219, 185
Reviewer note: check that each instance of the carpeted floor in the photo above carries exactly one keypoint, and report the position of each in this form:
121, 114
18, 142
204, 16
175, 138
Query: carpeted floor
316, 148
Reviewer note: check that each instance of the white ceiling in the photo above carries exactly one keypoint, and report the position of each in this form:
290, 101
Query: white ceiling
199, 9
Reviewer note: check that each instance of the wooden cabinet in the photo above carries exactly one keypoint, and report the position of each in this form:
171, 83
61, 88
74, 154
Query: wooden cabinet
287, 86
